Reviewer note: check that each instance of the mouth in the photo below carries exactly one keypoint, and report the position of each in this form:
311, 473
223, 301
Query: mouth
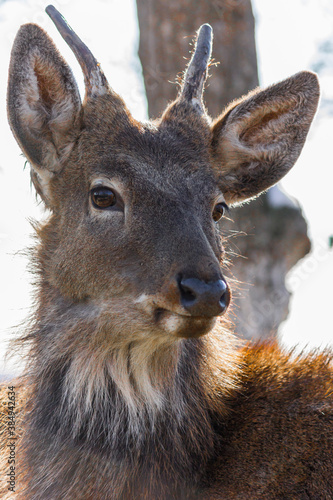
183, 326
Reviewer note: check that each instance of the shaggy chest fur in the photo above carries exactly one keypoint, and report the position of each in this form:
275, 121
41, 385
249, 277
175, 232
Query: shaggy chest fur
131, 448
246, 446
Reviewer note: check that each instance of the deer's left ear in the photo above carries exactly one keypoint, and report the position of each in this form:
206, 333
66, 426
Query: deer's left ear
259, 138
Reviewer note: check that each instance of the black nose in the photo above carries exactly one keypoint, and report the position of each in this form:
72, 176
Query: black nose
204, 299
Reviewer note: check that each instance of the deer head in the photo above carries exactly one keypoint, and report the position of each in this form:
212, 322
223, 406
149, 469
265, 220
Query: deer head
134, 206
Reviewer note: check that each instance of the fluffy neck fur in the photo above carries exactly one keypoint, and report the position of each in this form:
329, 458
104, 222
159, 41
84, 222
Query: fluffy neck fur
138, 381
145, 407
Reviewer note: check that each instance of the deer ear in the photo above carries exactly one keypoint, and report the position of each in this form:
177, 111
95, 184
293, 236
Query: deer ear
259, 138
43, 104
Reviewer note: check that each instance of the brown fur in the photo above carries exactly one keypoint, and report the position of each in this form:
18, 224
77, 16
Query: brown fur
129, 394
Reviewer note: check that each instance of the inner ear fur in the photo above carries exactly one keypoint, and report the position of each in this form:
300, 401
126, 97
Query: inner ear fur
259, 137
43, 103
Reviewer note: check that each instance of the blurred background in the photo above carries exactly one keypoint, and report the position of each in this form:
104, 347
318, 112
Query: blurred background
281, 245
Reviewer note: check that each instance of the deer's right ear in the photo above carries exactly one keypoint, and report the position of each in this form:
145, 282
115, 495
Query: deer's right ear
43, 104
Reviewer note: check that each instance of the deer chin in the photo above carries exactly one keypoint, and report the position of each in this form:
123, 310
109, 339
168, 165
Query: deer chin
184, 326
175, 321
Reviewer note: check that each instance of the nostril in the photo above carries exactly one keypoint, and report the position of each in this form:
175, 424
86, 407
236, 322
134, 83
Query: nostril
188, 294
225, 298
200, 298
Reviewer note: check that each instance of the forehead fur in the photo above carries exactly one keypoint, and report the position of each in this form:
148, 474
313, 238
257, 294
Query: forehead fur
178, 144
180, 126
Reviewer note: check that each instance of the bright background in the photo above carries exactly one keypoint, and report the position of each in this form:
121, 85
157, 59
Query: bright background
291, 35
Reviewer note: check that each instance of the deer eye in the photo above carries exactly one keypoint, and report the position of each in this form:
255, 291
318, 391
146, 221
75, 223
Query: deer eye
103, 197
219, 211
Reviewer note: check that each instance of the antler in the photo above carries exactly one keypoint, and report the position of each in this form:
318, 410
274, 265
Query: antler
94, 77
196, 73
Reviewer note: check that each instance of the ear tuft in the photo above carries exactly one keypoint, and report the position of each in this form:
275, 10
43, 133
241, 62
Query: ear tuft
259, 138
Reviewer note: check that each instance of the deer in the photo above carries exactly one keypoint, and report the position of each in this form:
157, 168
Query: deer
135, 386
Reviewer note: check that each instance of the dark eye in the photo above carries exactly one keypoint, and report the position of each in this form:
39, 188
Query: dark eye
103, 197
219, 211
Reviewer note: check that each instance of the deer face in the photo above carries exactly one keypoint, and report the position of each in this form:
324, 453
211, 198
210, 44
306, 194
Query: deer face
134, 206
136, 221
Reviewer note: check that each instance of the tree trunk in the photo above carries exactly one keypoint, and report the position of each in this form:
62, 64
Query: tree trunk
167, 28
276, 233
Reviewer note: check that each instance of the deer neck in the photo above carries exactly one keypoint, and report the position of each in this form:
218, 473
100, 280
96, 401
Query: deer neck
93, 379
146, 409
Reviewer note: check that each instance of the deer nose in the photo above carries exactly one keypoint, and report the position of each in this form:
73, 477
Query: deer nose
204, 299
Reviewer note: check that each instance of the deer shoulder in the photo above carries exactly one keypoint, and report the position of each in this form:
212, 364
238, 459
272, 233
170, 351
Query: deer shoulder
277, 439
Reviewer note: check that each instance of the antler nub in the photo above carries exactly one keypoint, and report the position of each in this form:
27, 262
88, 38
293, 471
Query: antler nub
196, 72
94, 77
